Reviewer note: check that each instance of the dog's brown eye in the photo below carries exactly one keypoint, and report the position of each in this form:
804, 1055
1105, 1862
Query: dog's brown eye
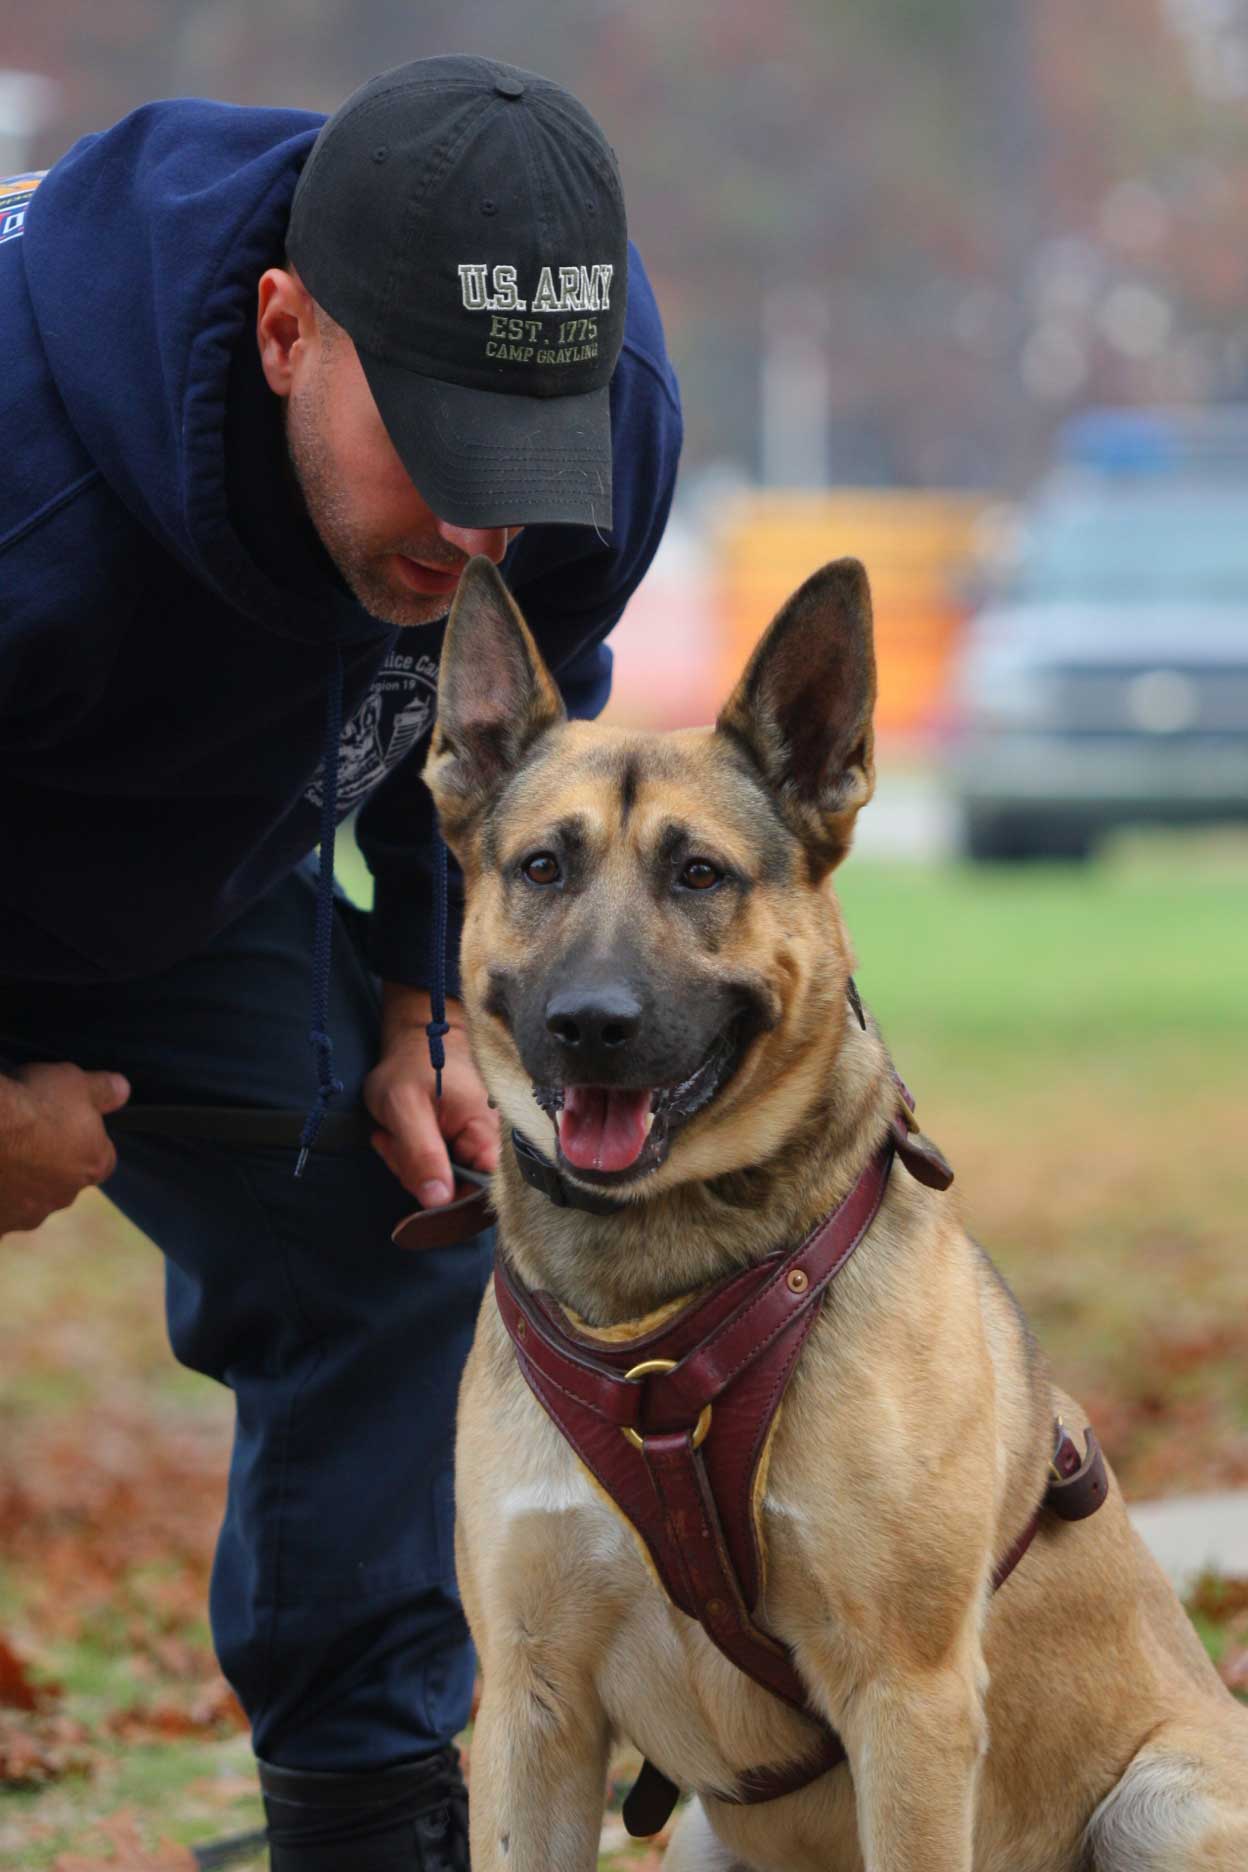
699, 875
541, 868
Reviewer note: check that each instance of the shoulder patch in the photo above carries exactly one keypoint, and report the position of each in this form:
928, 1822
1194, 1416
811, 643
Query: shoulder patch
15, 194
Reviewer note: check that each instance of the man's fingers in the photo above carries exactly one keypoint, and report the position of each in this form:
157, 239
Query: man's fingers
107, 1091
103, 1163
415, 1151
477, 1143
383, 1145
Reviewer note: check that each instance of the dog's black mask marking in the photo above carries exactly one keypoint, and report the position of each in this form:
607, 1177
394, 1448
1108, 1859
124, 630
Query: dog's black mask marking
608, 1021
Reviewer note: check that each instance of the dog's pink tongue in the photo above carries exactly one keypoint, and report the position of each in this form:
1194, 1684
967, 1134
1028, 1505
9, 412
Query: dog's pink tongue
601, 1128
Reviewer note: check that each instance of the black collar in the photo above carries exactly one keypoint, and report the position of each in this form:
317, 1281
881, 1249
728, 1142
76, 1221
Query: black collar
540, 1174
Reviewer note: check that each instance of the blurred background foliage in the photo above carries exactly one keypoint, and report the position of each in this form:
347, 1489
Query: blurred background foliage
1004, 205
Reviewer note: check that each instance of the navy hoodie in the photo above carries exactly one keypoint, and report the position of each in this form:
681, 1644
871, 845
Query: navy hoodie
167, 613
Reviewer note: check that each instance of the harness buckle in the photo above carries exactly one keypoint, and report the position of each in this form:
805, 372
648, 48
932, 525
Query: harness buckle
1060, 1438
664, 1365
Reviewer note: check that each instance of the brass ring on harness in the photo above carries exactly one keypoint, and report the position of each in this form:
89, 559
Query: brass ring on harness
664, 1365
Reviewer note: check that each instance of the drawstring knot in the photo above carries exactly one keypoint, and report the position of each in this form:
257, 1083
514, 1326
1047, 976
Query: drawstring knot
323, 1046
437, 1031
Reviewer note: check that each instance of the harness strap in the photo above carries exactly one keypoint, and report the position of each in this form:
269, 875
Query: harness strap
722, 1361
731, 1353
727, 1356
795, 1289
1077, 1488
1078, 1485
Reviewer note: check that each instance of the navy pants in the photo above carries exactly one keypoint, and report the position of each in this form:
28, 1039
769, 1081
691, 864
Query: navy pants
334, 1609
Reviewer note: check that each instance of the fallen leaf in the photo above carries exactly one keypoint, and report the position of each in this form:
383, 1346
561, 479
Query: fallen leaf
119, 1833
1218, 1598
215, 1706
18, 1689
38, 1748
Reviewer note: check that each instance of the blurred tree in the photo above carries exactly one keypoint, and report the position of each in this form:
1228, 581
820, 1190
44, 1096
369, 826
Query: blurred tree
1011, 206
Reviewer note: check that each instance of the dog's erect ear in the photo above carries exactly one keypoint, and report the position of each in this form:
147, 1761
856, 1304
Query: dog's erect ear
803, 708
495, 696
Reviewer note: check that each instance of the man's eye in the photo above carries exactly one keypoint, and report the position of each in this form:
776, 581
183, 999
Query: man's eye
699, 874
542, 868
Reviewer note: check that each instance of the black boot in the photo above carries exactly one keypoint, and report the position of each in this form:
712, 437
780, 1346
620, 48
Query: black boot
408, 1819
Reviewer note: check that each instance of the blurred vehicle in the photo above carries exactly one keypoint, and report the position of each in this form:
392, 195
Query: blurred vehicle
1106, 682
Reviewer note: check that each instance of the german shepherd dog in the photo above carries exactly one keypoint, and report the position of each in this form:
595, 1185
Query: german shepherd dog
658, 983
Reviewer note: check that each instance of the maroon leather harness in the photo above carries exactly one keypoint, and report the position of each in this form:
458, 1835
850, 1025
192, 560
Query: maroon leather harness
673, 1425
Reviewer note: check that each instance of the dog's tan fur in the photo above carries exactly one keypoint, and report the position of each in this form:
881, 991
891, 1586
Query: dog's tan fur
1072, 1722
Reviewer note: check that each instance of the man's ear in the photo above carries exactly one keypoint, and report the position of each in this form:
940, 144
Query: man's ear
285, 315
495, 697
803, 709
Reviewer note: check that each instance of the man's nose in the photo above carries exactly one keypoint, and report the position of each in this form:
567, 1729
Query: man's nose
492, 541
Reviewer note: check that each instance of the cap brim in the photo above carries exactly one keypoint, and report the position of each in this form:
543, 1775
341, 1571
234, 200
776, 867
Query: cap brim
482, 458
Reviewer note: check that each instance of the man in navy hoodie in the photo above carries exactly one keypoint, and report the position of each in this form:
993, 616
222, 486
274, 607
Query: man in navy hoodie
269, 385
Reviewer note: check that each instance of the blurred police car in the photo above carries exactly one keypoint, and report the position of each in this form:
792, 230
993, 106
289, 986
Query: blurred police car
1107, 681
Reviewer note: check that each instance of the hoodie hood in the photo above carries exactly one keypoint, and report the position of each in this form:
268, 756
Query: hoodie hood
144, 245
147, 251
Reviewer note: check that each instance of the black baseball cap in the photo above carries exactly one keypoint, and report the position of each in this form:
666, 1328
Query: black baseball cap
463, 221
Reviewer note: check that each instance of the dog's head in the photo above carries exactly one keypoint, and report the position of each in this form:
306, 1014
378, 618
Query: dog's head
653, 960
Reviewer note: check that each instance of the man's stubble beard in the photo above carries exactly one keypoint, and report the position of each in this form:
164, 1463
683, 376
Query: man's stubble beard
359, 560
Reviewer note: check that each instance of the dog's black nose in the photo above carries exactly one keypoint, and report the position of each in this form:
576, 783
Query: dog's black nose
595, 1020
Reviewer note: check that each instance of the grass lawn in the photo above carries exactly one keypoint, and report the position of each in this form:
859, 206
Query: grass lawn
1076, 1040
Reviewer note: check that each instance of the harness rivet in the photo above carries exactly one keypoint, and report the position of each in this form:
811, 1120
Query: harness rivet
521, 1329
714, 1607
796, 1280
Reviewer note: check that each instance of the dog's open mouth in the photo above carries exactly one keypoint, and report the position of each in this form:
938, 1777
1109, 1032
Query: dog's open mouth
607, 1133
604, 1129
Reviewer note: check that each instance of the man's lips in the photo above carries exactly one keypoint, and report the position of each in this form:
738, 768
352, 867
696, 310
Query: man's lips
433, 581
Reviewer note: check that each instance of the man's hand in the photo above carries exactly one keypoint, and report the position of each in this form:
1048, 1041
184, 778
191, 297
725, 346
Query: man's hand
52, 1139
399, 1092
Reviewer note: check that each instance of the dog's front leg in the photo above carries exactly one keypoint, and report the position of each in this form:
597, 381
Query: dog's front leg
915, 1739
539, 1769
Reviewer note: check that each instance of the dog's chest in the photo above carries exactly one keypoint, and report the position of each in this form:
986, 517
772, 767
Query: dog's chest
579, 1527
571, 1556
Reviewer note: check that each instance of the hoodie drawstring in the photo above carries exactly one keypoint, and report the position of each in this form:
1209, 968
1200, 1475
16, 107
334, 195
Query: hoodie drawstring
322, 948
438, 1028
